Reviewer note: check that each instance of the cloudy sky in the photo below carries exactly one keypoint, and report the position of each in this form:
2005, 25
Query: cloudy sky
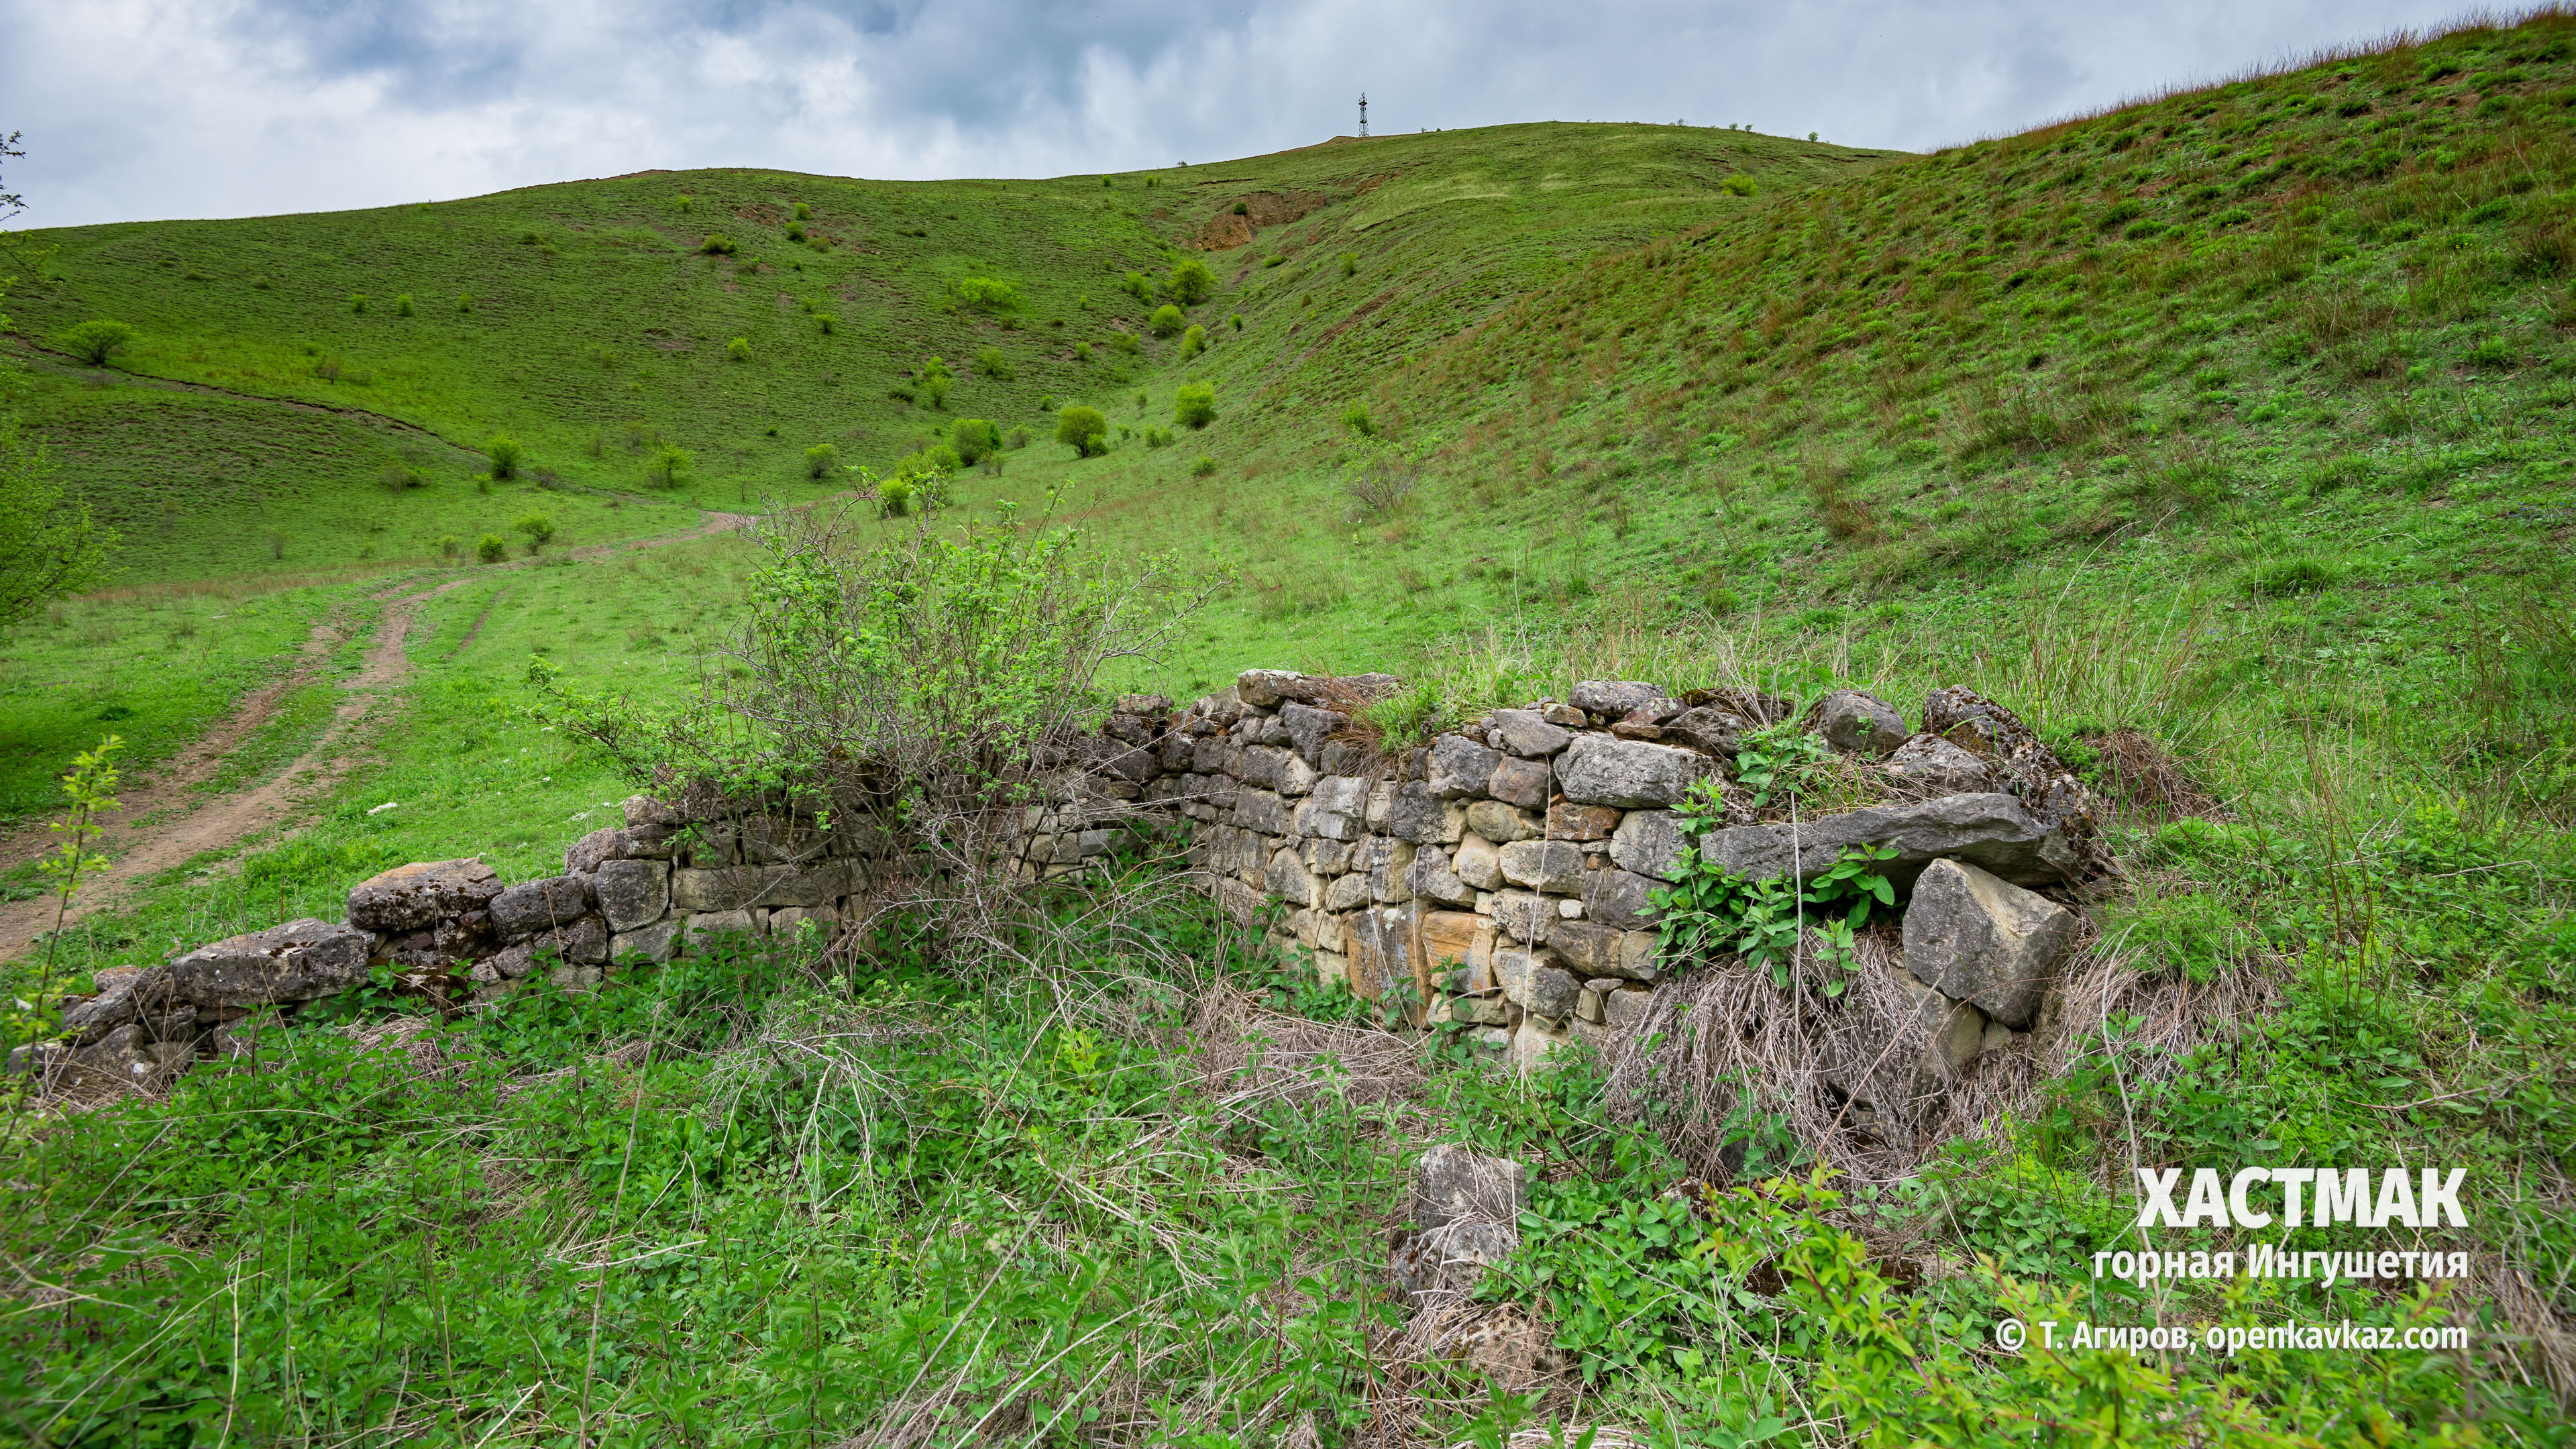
136, 109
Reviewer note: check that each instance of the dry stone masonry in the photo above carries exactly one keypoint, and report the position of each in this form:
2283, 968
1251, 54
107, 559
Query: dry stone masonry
1494, 881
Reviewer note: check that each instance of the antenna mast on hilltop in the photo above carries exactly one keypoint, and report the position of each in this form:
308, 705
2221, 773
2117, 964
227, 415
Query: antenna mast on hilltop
1363, 115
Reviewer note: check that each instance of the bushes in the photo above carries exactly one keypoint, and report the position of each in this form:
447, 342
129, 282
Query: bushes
1356, 418
358, 302
1195, 405
821, 459
1192, 282
1085, 430
1158, 437
447, 546
1167, 320
987, 293
934, 381
1234, 320
402, 304
1737, 185
539, 528
1082, 352
1350, 264
824, 322
738, 350
490, 549
97, 341
1019, 439
1126, 342
1194, 341
505, 454
894, 498
1136, 285
990, 362
1205, 467
670, 466
717, 244
975, 440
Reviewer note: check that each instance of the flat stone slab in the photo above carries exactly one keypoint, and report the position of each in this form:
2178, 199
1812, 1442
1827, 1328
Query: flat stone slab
1990, 831
298, 961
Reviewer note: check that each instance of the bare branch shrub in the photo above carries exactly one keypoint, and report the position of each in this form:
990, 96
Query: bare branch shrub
910, 699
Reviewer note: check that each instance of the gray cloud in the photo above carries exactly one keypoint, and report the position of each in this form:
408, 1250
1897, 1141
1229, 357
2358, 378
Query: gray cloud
138, 109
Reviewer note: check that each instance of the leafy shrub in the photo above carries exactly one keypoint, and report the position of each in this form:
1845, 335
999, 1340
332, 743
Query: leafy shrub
934, 381
824, 322
683, 204
2120, 214
894, 497
1205, 467
670, 466
1166, 320
1126, 342
447, 545
539, 528
1018, 439
803, 212
1234, 320
1242, 209
1082, 352
1194, 341
1737, 185
1195, 405
357, 301
97, 341
989, 293
402, 304
398, 477
1350, 264
1192, 282
717, 244
505, 453
821, 459
990, 362
975, 439
739, 349
796, 231
1085, 430
1356, 418
1138, 286
490, 549
464, 301
1158, 437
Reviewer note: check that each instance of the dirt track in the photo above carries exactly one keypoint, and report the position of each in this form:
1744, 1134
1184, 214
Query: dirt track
164, 823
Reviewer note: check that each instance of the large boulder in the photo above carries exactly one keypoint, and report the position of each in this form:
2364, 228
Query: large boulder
632, 893
1614, 698
1525, 783
298, 961
1859, 724
1525, 734
557, 900
1932, 765
1309, 727
1992, 831
1971, 936
1550, 867
1460, 767
1618, 898
1466, 1211
412, 897
1630, 774
1647, 842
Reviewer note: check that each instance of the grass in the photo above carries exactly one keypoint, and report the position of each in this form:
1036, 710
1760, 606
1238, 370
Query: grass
2235, 422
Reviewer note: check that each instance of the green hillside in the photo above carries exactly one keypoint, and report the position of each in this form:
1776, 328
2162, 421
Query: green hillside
591, 322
